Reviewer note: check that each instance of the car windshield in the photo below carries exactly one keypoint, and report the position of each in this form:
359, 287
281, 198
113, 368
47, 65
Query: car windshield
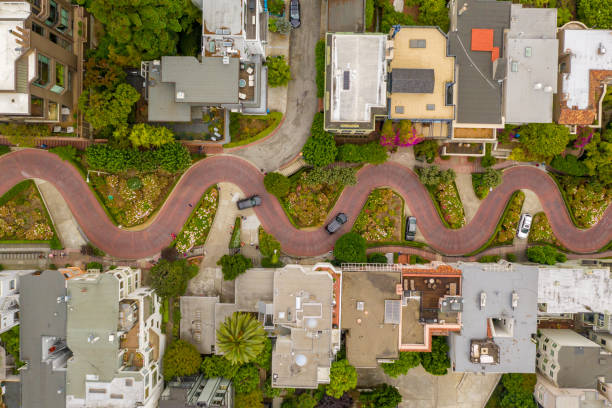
525, 229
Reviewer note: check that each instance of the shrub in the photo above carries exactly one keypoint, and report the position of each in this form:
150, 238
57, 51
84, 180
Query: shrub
369, 13
109, 107
428, 149
4, 149
170, 279
382, 396
276, 6
147, 136
487, 160
339, 176
432, 176
253, 399
277, 184
343, 378
377, 257
246, 379
543, 141
172, 157
489, 258
350, 247
595, 13
320, 67
401, 366
279, 72
134, 183
545, 255
218, 366
373, 153
94, 265
569, 165
510, 257
485, 182
320, 148
234, 265
89, 249
68, 153
436, 362
564, 15
181, 359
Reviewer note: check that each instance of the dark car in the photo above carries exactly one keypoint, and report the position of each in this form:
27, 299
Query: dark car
249, 202
410, 228
336, 223
294, 13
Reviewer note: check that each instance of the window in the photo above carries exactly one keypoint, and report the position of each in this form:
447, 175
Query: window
53, 37
52, 19
43, 71
399, 109
418, 43
551, 373
547, 340
53, 111
430, 107
514, 66
552, 367
37, 106
69, 81
554, 345
544, 347
60, 78
12, 284
38, 29
528, 51
552, 352
603, 342
64, 21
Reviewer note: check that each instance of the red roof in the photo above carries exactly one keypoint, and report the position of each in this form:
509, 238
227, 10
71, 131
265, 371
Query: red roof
494, 53
482, 39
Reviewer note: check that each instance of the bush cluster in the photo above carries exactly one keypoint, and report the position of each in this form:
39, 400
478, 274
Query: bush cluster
171, 157
373, 153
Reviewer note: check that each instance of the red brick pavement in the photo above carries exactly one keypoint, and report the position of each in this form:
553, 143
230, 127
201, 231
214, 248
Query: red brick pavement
32, 163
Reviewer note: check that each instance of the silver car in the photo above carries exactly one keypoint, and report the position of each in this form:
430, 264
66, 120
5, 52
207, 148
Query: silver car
524, 226
249, 202
336, 223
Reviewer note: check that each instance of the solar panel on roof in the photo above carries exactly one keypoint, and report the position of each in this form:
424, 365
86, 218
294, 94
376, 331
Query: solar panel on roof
347, 80
392, 311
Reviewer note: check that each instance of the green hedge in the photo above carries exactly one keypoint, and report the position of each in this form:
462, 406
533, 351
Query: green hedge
320, 66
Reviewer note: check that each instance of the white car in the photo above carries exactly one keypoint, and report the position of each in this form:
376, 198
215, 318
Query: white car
524, 226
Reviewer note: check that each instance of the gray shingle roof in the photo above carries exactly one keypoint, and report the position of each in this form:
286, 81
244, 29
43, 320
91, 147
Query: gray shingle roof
412, 80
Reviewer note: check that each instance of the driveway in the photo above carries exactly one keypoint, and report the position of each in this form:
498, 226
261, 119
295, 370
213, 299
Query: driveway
302, 100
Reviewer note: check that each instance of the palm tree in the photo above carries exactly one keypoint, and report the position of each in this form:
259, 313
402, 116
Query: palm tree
241, 338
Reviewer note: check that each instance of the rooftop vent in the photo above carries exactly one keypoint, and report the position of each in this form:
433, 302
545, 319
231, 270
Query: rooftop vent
180, 95
548, 89
537, 86
360, 306
301, 360
602, 49
347, 80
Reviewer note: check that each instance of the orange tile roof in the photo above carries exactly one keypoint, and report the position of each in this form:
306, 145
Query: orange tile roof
482, 39
494, 54
570, 116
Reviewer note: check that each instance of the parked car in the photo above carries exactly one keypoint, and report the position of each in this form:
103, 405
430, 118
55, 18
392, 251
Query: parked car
294, 13
524, 226
250, 202
410, 228
336, 223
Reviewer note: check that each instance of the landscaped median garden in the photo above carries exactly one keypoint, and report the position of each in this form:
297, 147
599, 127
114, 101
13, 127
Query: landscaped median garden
24, 218
541, 232
245, 129
444, 194
198, 225
510, 220
381, 218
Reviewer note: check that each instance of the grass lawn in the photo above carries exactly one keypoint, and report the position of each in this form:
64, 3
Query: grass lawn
132, 197
380, 219
308, 206
245, 129
541, 232
512, 216
198, 225
24, 218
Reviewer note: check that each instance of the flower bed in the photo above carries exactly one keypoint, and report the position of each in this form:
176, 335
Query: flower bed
586, 200
449, 204
380, 219
541, 232
308, 206
196, 229
23, 216
132, 198
511, 219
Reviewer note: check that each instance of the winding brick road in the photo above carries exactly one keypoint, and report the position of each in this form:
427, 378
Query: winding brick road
31, 163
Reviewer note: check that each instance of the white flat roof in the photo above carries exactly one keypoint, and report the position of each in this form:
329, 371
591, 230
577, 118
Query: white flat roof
572, 290
12, 15
217, 14
363, 57
584, 47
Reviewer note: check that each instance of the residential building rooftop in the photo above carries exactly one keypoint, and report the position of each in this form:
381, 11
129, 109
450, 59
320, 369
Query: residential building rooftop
198, 322
197, 391
531, 50
499, 319
225, 15
421, 75
574, 290
476, 24
548, 395
585, 64
356, 81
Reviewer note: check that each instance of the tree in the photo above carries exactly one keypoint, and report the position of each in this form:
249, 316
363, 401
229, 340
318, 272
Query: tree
147, 136
518, 400
401, 366
346, 401
279, 72
570, 165
492, 178
564, 15
108, 108
246, 379
253, 399
241, 338
595, 13
432, 176
143, 30
427, 149
351, 247
234, 265
276, 6
181, 359
377, 257
342, 378
170, 279
543, 141
279, 25
518, 391
436, 362
599, 157
382, 396
277, 184
218, 366
434, 13
100, 73
320, 150
545, 254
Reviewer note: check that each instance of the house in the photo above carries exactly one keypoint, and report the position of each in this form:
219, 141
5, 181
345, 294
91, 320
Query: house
113, 332
498, 319
604, 339
421, 81
547, 395
299, 306
531, 48
197, 391
355, 82
42, 345
391, 308
229, 73
42, 47
585, 70
9, 298
570, 360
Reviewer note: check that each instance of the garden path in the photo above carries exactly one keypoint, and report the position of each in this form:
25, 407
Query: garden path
33, 163
468, 196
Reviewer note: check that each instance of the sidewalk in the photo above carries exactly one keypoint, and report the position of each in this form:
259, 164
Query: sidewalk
67, 228
467, 195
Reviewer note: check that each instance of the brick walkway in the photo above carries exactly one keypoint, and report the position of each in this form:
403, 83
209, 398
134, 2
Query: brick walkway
32, 163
